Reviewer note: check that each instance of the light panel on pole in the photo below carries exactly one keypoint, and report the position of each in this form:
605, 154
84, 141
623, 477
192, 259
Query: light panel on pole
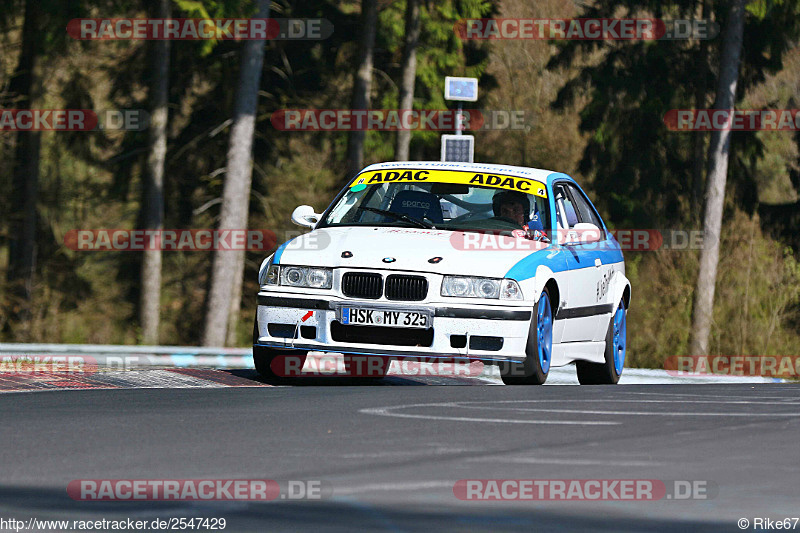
458, 148
461, 89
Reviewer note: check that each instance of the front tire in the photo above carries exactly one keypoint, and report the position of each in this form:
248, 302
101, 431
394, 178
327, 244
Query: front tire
538, 351
608, 373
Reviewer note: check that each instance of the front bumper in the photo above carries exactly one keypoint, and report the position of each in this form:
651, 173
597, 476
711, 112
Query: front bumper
484, 332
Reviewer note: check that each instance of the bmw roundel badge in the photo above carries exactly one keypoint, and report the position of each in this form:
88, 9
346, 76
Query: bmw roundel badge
389, 259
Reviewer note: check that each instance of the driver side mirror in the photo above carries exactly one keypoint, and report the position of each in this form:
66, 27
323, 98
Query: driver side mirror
581, 233
588, 233
305, 216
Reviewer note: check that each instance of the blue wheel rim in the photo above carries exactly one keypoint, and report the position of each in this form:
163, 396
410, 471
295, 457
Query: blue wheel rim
544, 332
620, 337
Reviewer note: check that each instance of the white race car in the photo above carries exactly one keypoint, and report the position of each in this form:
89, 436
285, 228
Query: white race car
507, 265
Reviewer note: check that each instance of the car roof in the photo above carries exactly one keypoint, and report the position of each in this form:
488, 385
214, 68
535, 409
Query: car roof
537, 174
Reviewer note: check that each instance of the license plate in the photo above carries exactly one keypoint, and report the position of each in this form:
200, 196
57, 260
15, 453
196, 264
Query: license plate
381, 317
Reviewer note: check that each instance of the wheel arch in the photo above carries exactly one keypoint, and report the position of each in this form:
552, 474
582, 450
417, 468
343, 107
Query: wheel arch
620, 290
546, 279
555, 295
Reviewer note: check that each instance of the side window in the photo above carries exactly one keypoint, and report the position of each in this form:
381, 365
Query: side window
585, 212
566, 214
541, 212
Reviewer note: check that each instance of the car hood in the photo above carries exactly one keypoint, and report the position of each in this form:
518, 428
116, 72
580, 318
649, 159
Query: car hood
465, 253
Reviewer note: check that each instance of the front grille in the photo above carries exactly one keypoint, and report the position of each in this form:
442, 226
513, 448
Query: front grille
381, 335
406, 288
362, 285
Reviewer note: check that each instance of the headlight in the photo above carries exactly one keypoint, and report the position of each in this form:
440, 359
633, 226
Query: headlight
469, 287
298, 276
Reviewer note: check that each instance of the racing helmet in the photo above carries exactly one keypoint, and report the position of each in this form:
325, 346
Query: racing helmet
511, 197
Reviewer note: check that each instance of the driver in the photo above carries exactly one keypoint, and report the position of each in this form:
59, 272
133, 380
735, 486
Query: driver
512, 205
516, 206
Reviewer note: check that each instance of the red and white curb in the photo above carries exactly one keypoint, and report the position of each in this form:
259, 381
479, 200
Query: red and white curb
177, 378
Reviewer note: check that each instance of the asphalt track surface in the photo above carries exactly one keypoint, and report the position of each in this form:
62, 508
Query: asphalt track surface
388, 456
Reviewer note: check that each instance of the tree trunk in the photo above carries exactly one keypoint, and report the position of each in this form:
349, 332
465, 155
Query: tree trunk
24, 87
236, 307
229, 265
408, 75
362, 84
718, 149
153, 199
698, 159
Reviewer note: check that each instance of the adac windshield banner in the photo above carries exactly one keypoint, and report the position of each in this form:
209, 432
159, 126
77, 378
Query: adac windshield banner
497, 181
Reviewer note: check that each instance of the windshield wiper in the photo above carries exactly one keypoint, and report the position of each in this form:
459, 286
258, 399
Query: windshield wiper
399, 216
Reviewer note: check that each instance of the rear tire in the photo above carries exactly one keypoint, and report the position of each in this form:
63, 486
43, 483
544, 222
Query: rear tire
608, 373
538, 351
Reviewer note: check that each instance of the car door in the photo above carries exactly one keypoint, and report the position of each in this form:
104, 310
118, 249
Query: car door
588, 275
605, 255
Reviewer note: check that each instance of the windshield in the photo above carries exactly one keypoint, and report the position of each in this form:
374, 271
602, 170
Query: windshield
453, 200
